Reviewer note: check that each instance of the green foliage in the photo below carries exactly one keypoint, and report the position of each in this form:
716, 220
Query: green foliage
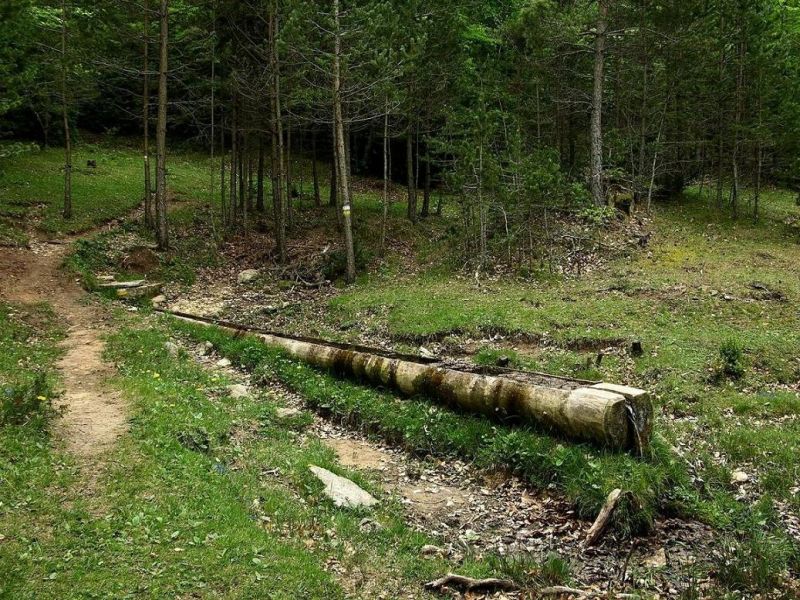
730, 362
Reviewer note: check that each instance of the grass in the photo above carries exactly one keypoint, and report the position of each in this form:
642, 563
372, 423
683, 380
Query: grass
31, 187
208, 496
713, 302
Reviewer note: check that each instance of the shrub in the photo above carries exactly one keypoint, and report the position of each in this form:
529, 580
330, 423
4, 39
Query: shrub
730, 362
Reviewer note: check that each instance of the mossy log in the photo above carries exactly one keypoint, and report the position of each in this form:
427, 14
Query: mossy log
614, 416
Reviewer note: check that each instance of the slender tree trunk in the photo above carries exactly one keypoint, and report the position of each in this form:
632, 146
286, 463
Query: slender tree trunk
65, 116
233, 205
289, 211
314, 169
426, 192
223, 211
279, 195
260, 182
148, 198
341, 155
598, 193
412, 185
738, 124
720, 118
385, 177
162, 232
213, 111
333, 199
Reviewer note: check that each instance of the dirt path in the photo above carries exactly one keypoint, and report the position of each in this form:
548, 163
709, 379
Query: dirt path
94, 415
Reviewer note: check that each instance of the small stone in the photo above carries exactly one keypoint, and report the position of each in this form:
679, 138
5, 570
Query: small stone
248, 275
657, 560
369, 526
739, 477
223, 362
425, 353
159, 300
237, 390
287, 412
207, 347
431, 550
171, 348
341, 490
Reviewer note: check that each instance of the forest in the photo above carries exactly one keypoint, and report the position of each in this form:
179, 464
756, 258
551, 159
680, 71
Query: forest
371, 299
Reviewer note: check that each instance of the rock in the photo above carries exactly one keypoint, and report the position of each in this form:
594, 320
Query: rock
159, 300
172, 348
141, 260
223, 362
425, 353
503, 361
287, 413
207, 347
341, 490
431, 550
369, 526
657, 560
237, 390
739, 477
247, 275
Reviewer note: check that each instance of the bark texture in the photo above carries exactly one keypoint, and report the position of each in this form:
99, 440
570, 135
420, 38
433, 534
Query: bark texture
597, 414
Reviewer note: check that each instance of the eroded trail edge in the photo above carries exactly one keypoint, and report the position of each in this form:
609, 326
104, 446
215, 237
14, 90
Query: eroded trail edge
94, 415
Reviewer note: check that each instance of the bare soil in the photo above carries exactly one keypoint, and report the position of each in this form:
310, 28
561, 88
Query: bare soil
93, 414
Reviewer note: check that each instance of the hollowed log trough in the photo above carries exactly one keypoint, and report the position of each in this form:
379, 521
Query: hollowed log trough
610, 415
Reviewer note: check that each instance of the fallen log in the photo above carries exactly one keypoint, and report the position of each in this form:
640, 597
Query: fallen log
614, 416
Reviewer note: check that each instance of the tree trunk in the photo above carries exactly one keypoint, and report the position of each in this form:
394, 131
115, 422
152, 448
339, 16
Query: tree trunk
65, 116
162, 233
341, 154
233, 205
606, 414
385, 177
279, 196
412, 186
314, 170
223, 211
148, 199
598, 193
260, 181
426, 193
333, 201
289, 211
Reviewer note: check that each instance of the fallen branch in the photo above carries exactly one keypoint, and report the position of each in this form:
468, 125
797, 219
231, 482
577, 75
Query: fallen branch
469, 584
558, 590
601, 522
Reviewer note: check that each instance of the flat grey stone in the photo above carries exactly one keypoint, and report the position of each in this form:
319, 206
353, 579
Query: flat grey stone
287, 413
237, 390
224, 362
247, 275
341, 490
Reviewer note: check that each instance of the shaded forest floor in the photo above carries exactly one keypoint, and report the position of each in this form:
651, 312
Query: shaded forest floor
713, 302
